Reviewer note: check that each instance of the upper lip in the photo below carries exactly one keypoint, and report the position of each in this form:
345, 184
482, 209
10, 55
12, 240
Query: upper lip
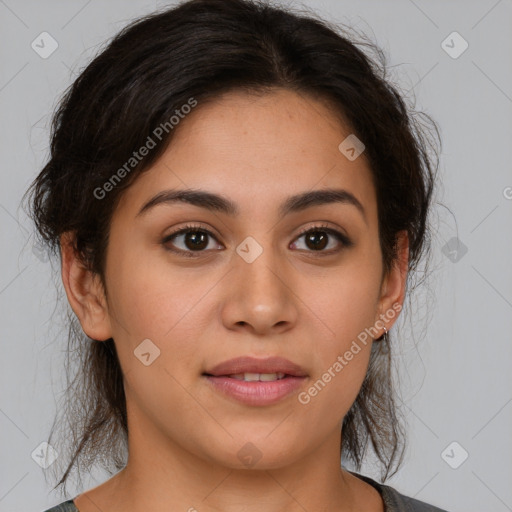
253, 365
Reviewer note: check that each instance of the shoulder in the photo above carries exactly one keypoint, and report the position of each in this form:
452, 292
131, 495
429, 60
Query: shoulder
397, 502
65, 506
400, 503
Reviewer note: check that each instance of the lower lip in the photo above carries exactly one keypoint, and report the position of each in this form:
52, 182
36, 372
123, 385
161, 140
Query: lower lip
257, 392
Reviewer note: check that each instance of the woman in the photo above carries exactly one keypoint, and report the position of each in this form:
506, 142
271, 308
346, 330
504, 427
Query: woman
239, 200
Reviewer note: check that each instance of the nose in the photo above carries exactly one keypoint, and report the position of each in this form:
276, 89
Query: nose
260, 296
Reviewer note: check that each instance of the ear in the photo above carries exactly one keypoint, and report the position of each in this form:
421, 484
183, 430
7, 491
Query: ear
85, 292
393, 285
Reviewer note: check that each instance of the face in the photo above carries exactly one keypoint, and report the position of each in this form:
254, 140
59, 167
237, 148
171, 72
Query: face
250, 283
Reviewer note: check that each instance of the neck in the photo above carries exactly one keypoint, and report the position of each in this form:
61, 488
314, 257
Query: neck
174, 478
162, 474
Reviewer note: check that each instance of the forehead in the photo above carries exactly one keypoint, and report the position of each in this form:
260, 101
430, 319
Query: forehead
257, 150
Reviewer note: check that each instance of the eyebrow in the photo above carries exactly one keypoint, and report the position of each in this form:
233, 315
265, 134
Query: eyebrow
218, 203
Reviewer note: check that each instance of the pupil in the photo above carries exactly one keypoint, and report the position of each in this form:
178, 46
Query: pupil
318, 244
197, 239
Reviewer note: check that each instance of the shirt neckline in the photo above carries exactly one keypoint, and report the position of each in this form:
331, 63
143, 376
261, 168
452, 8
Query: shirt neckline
388, 494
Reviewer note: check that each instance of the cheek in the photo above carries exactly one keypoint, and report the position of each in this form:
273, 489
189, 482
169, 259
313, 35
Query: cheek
343, 342
157, 337
167, 305
332, 392
346, 301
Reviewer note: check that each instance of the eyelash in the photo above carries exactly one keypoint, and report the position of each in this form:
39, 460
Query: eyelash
344, 240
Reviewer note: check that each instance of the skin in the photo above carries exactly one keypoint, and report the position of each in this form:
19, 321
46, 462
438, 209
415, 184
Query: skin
291, 302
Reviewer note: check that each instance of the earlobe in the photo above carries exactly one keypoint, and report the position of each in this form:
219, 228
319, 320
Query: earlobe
393, 286
85, 292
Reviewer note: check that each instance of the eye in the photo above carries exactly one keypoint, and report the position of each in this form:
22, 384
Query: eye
194, 239
318, 238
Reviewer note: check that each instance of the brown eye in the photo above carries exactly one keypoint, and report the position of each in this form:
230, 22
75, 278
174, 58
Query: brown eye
196, 240
316, 239
189, 239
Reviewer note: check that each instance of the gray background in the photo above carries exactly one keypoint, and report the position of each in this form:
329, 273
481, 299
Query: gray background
454, 359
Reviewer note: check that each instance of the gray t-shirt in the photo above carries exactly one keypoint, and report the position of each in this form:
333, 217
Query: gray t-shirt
393, 500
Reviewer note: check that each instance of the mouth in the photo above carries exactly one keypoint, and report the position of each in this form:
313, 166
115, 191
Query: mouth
251, 369
256, 382
254, 377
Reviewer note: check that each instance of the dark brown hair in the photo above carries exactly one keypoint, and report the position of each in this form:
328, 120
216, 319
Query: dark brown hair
199, 50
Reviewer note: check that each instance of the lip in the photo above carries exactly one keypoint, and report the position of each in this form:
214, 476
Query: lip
249, 364
256, 393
